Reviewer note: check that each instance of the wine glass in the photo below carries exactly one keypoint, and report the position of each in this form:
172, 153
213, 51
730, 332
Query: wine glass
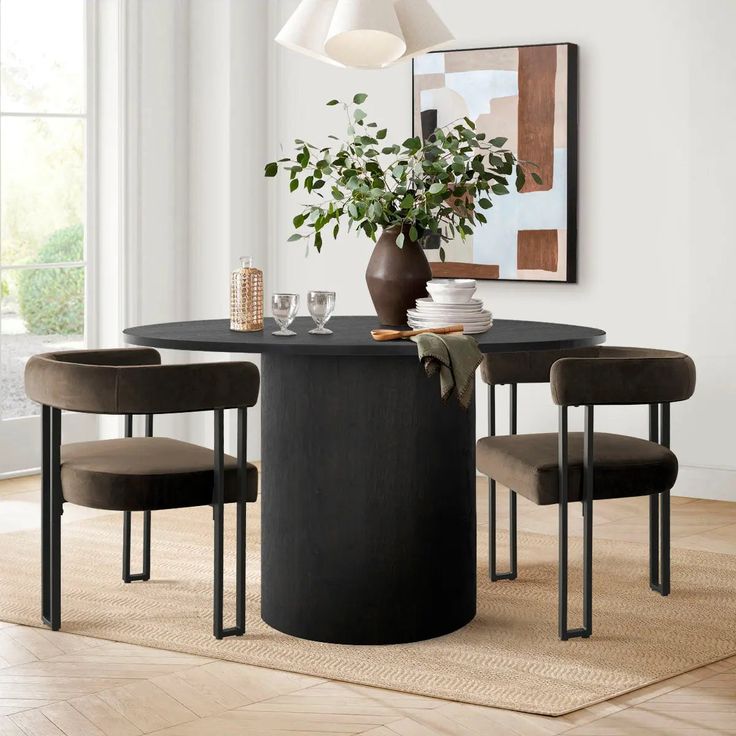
284, 308
320, 304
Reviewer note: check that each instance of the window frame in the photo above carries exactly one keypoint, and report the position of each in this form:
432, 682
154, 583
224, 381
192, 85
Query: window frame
20, 450
89, 204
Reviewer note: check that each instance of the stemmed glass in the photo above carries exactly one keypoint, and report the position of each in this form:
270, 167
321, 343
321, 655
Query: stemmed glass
284, 308
320, 304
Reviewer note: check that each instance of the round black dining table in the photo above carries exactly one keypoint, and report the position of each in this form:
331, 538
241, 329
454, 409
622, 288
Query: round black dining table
368, 478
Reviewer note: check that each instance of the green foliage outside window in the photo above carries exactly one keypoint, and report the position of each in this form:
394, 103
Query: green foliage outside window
51, 300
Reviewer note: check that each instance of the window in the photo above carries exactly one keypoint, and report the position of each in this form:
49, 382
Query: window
43, 120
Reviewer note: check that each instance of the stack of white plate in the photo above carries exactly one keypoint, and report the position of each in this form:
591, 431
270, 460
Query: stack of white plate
470, 314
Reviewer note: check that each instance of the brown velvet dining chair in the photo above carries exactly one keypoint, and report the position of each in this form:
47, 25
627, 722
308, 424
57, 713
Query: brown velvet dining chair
563, 467
141, 474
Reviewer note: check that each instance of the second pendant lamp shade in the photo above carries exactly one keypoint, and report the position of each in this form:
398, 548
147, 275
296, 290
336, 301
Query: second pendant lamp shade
363, 33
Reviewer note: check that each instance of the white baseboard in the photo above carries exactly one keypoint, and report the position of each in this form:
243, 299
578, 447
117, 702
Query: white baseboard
697, 481
20, 473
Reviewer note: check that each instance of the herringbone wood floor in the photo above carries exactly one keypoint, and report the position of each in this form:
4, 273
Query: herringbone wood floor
53, 684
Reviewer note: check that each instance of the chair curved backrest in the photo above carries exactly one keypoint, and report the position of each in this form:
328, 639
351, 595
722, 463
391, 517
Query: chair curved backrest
133, 381
621, 375
532, 366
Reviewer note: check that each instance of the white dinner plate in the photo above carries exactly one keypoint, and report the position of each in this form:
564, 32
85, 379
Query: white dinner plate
468, 329
427, 302
449, 320
483, 316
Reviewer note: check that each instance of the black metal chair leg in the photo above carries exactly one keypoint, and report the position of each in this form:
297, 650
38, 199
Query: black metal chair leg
664, 502
588, 489
493, 574
218, 506
53, 571
145, 573
653, 509
664, 581
659, 510
241, 521
45, 512
654, 541
585, 631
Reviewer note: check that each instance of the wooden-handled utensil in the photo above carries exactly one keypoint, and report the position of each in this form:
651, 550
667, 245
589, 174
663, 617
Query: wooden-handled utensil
401, 334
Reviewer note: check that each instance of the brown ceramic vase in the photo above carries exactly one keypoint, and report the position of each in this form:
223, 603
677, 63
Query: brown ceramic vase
396, 277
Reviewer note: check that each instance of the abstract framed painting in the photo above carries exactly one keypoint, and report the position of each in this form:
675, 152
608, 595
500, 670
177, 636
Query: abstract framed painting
528, 95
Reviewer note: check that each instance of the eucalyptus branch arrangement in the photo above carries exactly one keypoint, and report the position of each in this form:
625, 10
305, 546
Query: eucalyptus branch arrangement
435, 187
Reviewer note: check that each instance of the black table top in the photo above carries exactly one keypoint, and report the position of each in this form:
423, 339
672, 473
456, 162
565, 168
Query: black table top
351, 336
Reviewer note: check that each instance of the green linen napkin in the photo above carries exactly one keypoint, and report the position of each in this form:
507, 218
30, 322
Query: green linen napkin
456, 357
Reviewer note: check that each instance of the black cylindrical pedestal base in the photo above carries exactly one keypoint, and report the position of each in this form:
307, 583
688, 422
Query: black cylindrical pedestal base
368, 517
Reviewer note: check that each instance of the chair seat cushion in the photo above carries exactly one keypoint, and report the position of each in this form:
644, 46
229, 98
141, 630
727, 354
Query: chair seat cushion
624, 466
146, 473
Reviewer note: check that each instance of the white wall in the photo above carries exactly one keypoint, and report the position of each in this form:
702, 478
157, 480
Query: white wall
657, 155
227, 144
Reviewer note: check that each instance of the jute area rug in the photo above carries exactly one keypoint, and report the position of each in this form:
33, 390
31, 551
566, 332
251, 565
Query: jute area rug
508, 657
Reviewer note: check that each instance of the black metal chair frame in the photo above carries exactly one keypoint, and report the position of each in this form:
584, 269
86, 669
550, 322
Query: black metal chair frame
51, 511
659, 513
493, 574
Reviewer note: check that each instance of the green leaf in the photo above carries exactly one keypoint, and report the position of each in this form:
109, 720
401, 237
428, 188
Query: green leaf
413, 144
498, 142
436, 188
299, 220
272, 169
294, 237
332, 103
485, 203
442, 254
400, 240
520, 179
499, 189
293, 185
408, 202
413, 234
381, 134
536, 177
360, 98
469, 123
359, 115
318, 241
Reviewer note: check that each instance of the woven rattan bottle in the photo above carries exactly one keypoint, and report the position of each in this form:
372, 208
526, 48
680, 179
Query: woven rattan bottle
246, 297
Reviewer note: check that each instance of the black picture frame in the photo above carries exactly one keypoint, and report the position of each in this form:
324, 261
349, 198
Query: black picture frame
572, 151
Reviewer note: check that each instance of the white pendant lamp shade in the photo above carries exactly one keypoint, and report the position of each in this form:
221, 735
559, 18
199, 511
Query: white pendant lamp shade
364, 33
307, 28
423, 29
